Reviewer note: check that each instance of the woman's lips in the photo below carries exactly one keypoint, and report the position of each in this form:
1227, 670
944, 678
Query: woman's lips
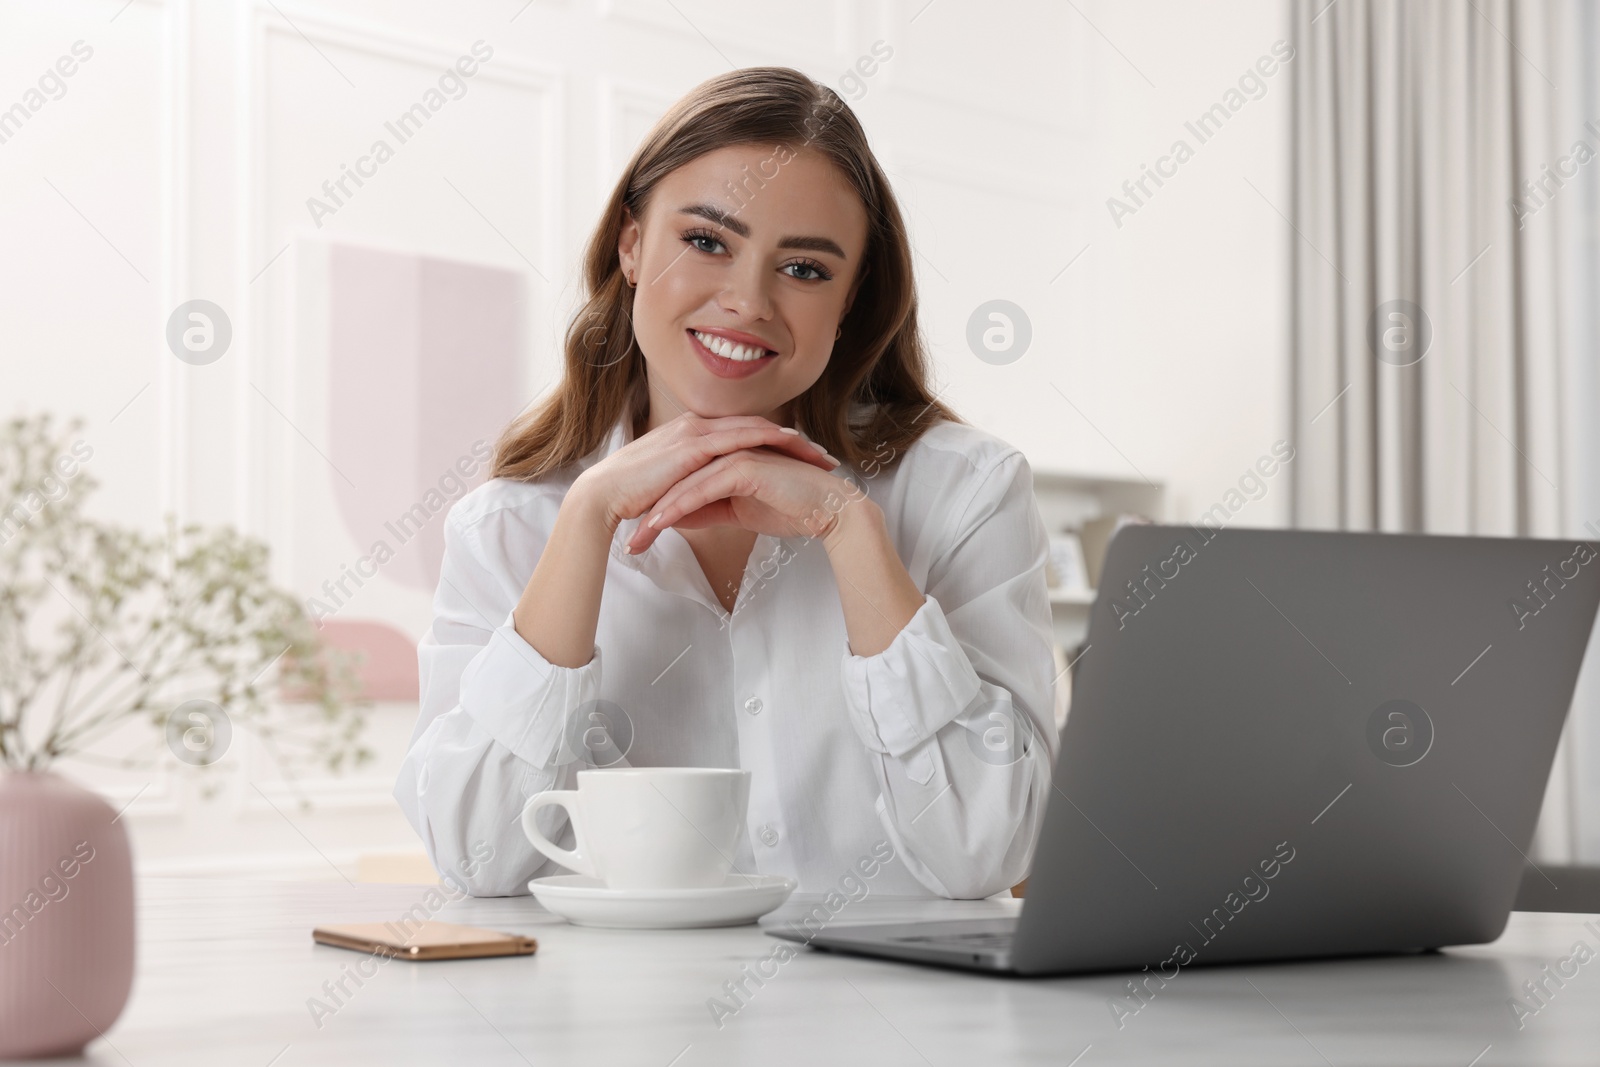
723, 367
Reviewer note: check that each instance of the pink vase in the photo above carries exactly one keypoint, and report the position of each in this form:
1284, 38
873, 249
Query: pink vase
66, 916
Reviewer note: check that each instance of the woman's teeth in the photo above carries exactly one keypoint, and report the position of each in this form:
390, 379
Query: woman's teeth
727, 349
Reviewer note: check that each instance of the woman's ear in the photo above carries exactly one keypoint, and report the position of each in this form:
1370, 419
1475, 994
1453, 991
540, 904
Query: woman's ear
628, 244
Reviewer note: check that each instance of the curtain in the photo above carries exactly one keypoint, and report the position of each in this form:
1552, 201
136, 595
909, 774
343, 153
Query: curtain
1443, 277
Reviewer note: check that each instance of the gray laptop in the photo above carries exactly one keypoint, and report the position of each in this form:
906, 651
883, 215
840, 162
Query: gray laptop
1289, 744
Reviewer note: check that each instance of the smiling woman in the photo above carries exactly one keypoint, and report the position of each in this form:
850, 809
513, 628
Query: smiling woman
700, 204
751, 314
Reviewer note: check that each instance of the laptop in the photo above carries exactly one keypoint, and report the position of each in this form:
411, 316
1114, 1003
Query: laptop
1287, 745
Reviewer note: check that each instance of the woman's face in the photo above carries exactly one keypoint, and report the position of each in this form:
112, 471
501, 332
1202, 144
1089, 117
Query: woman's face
747, 249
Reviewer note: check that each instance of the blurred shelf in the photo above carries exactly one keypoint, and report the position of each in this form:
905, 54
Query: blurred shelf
1067, 499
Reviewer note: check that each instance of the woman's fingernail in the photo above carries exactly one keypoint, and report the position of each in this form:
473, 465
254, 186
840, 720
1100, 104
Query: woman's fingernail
655, 519
835, 459
789, 429
818, 447
627, 550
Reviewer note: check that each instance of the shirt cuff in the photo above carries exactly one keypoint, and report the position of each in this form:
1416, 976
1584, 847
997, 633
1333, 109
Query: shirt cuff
903, 695
522, 699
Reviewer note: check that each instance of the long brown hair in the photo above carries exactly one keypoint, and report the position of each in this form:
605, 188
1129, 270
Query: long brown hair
879, 358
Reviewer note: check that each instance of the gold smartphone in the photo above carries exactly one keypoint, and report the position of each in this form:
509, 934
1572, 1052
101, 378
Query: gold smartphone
424, 941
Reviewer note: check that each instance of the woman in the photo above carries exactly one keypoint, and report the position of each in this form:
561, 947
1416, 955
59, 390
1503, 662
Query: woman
670, 568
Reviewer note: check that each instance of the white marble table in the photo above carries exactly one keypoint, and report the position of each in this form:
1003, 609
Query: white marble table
226, 969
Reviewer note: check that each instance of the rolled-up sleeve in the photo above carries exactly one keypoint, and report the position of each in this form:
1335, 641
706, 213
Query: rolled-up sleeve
959, 709
492, 724
522, 699
904, 694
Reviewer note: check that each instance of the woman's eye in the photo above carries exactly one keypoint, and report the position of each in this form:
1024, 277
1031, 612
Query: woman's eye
700, 240
817, 273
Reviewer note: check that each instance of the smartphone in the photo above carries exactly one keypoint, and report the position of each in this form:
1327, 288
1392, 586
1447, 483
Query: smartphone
425, 941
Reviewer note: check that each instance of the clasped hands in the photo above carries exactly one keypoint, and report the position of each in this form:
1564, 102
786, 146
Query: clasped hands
738, 470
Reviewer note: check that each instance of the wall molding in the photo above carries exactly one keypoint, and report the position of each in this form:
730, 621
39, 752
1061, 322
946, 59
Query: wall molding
546, 85
617, 99
656, 17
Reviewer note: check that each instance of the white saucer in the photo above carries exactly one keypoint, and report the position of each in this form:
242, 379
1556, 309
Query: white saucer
585, 901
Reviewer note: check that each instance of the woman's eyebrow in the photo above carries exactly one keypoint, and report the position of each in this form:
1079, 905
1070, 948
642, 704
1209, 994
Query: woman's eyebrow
814, 244
713, 213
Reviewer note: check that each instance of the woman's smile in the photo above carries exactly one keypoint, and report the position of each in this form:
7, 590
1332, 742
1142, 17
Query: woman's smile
730, 359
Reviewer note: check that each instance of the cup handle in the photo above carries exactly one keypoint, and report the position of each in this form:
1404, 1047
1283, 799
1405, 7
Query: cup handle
566, 798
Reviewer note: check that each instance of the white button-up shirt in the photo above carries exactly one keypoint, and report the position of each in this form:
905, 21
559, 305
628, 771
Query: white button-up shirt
939, 747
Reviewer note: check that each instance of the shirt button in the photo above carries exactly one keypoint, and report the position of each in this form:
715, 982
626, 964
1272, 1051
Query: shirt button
753, 705
768, 835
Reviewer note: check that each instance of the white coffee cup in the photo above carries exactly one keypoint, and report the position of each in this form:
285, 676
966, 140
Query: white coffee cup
648, 827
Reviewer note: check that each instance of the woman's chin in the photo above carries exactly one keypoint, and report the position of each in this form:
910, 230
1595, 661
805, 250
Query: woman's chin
710, 407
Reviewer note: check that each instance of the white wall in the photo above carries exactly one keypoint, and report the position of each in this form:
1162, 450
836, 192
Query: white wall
1189, 375
182, 154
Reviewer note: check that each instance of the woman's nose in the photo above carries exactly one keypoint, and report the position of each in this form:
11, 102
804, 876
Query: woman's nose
746, 293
